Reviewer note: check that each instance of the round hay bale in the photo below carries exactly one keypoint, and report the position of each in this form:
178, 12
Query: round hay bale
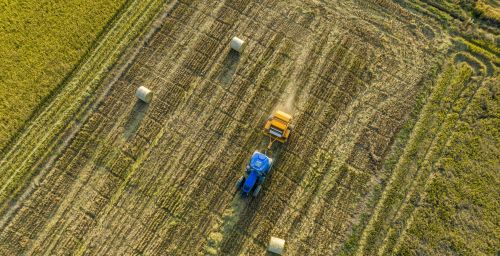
276, 245
144, 94
237, 44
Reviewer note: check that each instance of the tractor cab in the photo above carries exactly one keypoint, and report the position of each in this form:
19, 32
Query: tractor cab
256, 171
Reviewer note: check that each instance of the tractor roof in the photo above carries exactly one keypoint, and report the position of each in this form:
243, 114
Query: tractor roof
260, 162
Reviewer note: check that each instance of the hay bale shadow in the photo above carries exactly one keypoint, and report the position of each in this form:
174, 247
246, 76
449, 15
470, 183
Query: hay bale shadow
229, 67
135, 117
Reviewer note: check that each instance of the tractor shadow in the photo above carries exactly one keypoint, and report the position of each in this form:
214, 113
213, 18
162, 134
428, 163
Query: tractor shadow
229, 67
135, 117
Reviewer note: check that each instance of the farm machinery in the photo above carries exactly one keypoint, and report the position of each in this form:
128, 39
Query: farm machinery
256, 171
277, 128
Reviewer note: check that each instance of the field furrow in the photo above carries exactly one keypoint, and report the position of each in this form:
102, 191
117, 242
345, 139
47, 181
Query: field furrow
377, 90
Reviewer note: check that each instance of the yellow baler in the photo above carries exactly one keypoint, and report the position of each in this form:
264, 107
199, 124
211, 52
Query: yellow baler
278, 127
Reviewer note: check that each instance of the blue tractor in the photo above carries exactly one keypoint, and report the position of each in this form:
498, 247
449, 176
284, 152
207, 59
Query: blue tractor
256, 172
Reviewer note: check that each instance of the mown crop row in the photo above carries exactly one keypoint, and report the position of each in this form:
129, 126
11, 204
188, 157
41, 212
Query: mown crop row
399, 185
402, 221
414, 174
462, 191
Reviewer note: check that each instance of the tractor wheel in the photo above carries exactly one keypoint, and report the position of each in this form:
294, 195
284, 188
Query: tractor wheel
261, 181
256, 191
240, 182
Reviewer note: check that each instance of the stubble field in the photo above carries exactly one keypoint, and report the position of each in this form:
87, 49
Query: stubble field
394, 148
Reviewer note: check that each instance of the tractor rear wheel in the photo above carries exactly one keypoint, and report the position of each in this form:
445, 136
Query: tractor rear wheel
256, 191
240, 181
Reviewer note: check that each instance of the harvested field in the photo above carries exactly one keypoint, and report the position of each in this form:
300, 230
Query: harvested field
383, 95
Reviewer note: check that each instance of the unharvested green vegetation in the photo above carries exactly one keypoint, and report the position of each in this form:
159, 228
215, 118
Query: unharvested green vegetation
429, 206
460, 211
41, 42
442, 197
394, 151
488, 10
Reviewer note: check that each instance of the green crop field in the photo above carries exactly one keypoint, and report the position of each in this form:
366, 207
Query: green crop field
394, 151
41, 42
